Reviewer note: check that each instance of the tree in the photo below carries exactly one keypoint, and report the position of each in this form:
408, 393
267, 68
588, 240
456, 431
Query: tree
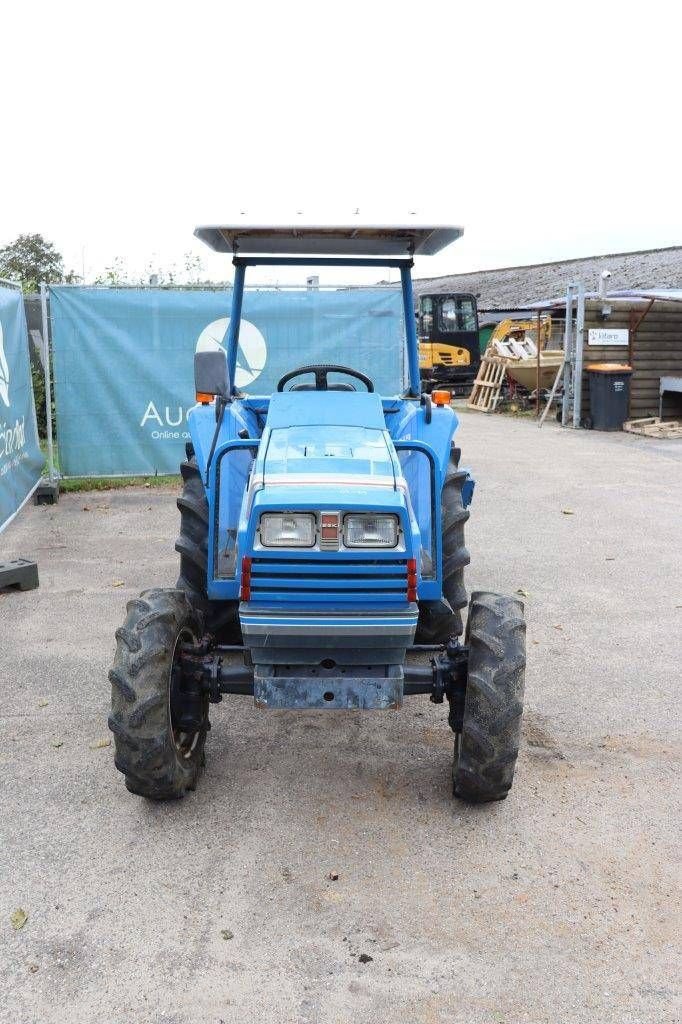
31, 259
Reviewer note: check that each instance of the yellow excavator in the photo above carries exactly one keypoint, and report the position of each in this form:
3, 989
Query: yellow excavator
518, 329
517, 342
449, 352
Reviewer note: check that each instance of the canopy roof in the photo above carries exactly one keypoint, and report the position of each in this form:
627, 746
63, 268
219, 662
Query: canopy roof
356, 238
619, 295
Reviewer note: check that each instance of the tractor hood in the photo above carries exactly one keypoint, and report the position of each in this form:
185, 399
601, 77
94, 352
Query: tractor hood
328, 454
328, 438
329, 451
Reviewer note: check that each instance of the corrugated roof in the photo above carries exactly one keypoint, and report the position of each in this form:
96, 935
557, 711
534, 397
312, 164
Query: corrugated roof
623, 294
513, 287
496, 316
665, 294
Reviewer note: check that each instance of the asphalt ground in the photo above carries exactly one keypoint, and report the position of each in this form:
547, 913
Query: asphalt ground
559, 904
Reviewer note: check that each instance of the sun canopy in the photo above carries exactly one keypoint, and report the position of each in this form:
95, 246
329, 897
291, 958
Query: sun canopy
333, 239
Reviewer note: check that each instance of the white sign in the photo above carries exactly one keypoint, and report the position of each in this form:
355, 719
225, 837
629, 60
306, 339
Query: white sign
252, 352
608, 336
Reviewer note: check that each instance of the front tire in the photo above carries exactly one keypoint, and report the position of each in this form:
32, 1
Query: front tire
221, 617
159, 760
488, 745
438, 622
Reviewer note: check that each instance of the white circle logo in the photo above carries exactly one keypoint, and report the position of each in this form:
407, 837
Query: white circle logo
4, 372
252, 352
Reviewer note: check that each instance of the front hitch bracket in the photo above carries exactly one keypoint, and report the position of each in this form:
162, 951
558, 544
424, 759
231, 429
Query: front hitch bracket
203, 671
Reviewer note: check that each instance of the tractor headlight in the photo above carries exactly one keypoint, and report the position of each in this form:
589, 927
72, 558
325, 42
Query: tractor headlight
287, 530
370, 531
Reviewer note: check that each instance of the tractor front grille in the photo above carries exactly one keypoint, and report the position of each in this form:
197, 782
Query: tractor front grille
328, 580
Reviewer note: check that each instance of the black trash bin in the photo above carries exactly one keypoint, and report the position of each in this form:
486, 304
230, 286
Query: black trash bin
609, 394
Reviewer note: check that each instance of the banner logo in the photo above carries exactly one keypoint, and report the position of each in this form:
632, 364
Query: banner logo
252, 352
4, 372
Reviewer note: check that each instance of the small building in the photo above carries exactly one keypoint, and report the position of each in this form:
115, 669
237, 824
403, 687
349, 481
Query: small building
641, 328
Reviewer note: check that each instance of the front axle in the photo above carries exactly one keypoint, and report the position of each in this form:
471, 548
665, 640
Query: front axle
202, 672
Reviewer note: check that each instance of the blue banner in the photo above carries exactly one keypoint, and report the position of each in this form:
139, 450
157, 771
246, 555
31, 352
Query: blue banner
21, 460
124, 360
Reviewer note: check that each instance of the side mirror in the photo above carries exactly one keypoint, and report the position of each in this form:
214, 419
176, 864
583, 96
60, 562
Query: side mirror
211, 376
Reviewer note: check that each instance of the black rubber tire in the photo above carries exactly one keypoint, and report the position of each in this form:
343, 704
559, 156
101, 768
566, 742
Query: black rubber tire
436, 624
146, 749
487, 748
221, 618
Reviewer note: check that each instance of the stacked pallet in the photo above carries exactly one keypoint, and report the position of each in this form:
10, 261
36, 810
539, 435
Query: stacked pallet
485, 394
654, 426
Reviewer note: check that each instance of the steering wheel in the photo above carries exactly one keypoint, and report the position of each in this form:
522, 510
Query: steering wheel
321, 370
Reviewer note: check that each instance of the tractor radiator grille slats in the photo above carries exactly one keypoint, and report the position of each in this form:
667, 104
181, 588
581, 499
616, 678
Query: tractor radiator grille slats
328, 580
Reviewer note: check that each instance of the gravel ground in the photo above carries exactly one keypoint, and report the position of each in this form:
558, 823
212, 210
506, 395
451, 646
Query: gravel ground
558, 904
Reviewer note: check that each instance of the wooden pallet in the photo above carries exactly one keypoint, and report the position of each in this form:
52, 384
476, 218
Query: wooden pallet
485, 394
654, 426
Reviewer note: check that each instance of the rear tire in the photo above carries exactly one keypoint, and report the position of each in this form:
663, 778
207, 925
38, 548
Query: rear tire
436, 623
159, 761
488, 745
221, 617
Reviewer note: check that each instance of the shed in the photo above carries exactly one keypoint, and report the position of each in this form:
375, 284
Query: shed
642, 328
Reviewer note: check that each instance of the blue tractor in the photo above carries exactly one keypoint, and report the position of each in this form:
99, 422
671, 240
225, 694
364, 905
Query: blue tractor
321, 542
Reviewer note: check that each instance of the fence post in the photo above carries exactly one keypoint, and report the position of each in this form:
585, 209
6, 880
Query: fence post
568, 356
48, 383
578, 365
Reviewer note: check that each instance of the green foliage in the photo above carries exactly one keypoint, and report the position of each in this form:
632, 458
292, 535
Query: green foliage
114, 274
191, 274
38, 378
39, 396
31, 259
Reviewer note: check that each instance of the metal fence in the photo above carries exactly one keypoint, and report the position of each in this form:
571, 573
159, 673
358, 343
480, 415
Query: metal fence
21, 460
122, 360
167, 413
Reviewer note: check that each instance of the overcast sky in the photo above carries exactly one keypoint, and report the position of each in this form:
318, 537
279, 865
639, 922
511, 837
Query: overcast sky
548, 130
